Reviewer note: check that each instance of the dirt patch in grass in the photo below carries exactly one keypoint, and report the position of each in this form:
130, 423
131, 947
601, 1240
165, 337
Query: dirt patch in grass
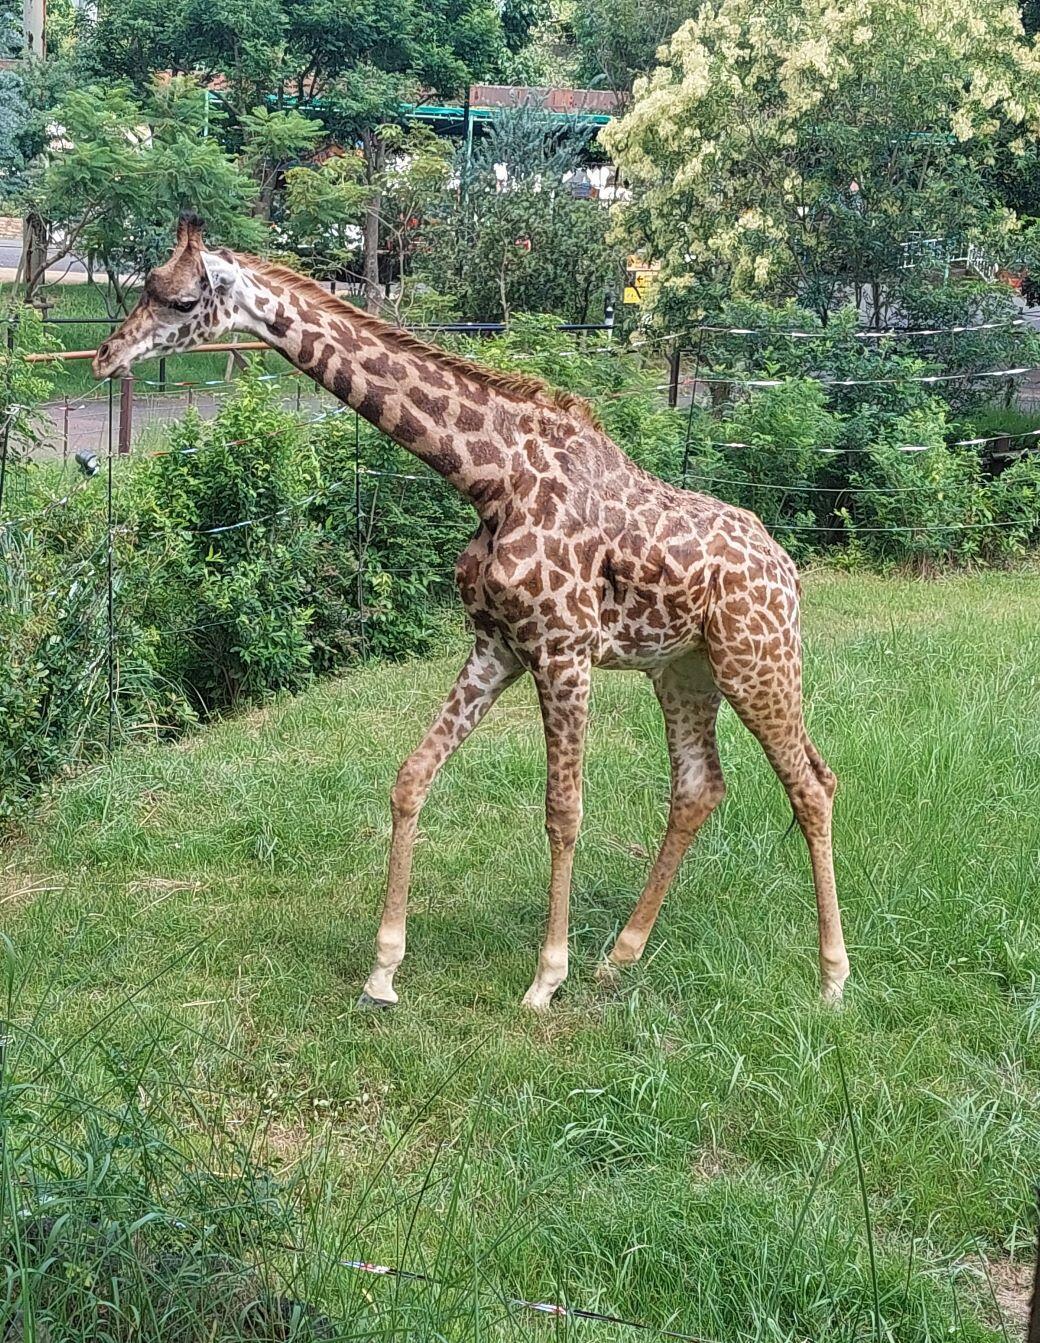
1013, 1291
18, 887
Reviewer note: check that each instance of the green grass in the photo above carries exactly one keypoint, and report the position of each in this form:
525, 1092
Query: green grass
996, 419
679, 1151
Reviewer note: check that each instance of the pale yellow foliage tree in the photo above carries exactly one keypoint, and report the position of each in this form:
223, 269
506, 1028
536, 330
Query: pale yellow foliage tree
794, 148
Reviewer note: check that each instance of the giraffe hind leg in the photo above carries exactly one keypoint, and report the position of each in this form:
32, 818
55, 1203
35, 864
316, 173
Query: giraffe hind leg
766, 693
690, 704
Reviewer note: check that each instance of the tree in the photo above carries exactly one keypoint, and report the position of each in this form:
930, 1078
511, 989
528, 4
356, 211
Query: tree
617, 40
124, 169
349, 63
416, 176
272, 140
808, 150
524, 242
324, 208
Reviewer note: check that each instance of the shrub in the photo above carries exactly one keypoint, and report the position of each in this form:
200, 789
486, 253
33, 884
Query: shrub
248, 555
412, 527
224, 522
55, 644
774, 461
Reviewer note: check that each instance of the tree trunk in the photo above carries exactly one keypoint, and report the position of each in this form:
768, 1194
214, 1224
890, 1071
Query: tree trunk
375, 158
264, 202
34, 254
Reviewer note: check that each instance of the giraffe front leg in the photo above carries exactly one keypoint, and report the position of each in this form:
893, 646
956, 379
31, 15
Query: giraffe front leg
488, 670
564, 695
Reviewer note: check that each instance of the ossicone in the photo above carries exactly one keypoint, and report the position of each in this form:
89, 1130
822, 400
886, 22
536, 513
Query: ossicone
190, 228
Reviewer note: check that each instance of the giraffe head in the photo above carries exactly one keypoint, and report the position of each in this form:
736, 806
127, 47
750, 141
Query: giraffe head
186, 301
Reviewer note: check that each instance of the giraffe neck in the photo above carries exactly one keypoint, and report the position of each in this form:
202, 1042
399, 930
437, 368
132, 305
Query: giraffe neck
443, 413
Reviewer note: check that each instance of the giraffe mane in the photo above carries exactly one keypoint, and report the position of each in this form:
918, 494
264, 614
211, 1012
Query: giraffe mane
512, 384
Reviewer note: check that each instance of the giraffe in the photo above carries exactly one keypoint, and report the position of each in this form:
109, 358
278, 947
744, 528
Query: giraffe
581, 559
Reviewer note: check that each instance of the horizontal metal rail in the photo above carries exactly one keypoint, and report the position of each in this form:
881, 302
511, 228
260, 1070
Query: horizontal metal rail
215, 348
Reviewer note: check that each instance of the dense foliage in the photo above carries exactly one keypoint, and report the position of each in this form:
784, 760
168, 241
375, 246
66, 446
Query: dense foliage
828, 153
524, 242
115, 188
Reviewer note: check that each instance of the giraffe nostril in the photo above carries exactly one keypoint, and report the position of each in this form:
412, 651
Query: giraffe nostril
103, 349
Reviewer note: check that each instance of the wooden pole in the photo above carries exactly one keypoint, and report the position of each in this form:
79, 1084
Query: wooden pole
673, 378
126, 413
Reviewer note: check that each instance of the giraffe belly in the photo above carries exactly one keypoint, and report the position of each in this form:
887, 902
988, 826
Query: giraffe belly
641, 629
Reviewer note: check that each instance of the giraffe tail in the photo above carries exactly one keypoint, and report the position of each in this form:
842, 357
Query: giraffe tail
822, 771
819, 766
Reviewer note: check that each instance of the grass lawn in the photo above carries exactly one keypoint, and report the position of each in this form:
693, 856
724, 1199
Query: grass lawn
678, 1151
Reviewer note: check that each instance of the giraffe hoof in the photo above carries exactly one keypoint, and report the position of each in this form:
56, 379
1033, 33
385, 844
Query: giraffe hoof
608, 975
368, 1003
832, 995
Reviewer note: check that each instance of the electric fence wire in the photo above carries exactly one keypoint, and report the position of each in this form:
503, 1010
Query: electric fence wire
870, 333
738, 380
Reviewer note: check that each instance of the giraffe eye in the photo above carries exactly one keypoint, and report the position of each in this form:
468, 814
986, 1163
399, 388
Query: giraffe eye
183, 305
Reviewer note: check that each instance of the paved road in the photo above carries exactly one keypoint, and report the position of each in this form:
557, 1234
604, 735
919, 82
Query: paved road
11, 256
86, 426
70, 268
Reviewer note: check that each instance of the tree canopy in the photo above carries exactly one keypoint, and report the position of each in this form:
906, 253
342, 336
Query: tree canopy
810, 148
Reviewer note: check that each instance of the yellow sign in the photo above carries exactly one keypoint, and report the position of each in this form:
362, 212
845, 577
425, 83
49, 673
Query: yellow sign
638, 279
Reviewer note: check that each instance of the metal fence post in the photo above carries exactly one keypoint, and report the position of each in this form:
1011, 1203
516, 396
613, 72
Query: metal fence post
110, 566
9, 408
126, 413
1033, 1329
693, 403
359, 534
674, 359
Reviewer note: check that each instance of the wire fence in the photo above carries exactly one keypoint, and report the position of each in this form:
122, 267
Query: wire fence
98, 647
95, 644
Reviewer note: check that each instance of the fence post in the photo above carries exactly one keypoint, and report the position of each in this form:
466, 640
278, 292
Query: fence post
126, 413
162, 374
1033, 1329
359, 535
9, 408
674, 360
65, 430
111, 582
693, 404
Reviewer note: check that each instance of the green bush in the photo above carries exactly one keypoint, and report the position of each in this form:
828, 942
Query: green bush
55, 639
412, 527
853, 447
223, 520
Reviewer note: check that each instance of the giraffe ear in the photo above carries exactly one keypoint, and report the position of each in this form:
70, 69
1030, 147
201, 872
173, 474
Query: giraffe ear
219, 271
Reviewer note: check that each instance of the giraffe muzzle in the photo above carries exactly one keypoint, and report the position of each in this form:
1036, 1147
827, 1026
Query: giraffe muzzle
108, 362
